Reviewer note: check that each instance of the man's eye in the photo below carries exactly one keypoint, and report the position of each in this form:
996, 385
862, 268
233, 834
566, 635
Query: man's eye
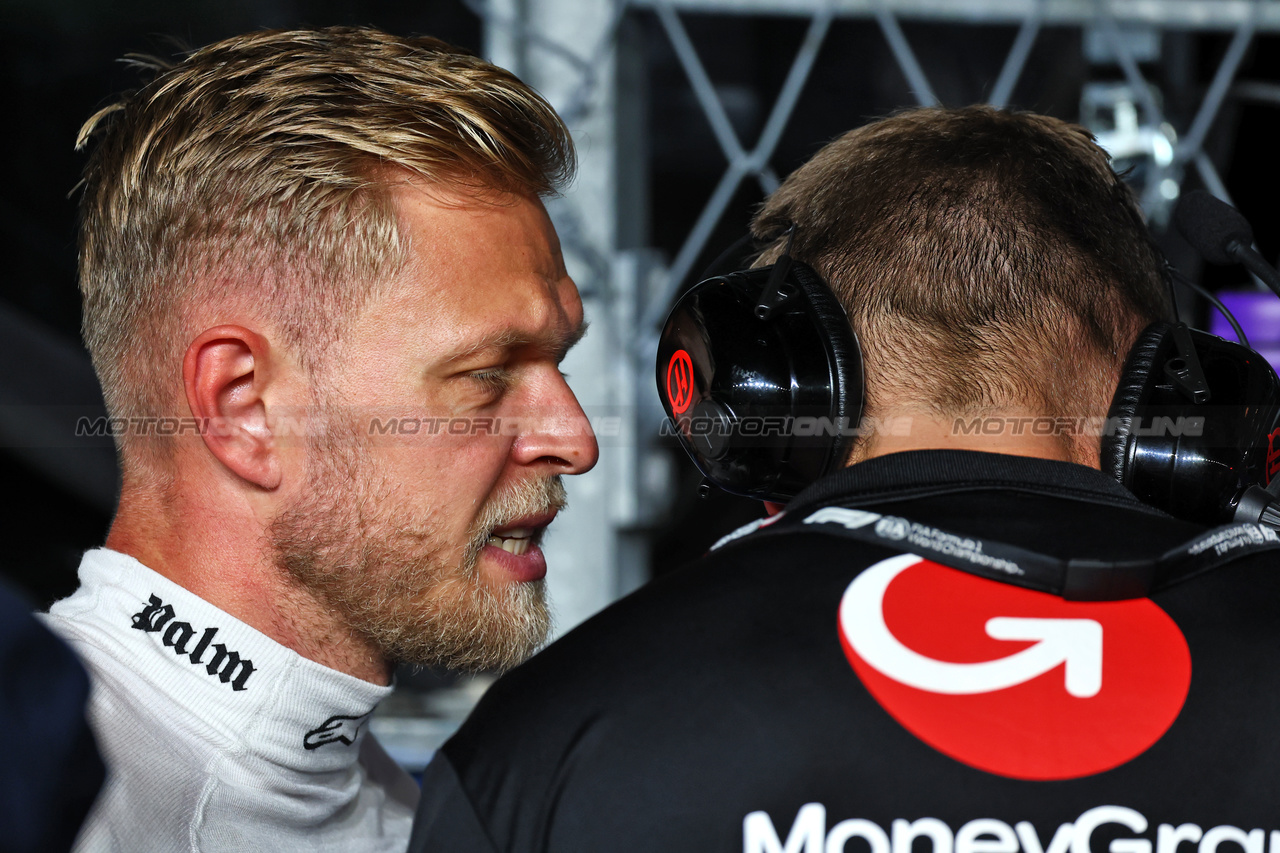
495, 379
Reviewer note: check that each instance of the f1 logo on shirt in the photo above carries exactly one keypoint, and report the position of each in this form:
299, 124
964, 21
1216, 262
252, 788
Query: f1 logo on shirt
1008, 680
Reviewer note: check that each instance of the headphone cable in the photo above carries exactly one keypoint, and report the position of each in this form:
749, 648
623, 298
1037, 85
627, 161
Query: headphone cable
1215, 301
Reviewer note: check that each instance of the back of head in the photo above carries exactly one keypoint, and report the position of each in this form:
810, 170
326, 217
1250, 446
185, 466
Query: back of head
988, 260
255, 176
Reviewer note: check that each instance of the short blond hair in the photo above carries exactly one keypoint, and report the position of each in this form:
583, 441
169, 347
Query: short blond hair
258, 171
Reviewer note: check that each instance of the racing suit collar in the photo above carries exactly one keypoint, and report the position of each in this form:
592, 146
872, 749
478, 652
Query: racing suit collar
923, 473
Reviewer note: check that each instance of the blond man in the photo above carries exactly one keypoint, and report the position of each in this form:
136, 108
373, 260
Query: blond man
294, 246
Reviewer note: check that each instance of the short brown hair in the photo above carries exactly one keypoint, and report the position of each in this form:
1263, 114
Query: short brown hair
258, 170
986, 258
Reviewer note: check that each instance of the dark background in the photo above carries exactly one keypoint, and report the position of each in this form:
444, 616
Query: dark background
59, 64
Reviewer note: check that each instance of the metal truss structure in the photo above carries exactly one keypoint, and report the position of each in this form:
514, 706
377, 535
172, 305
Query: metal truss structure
583, 55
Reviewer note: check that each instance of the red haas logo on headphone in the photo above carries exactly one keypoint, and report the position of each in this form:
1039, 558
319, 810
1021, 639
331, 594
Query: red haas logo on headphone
680, 382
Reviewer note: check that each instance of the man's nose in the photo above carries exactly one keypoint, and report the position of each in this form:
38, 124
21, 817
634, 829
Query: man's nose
558, 433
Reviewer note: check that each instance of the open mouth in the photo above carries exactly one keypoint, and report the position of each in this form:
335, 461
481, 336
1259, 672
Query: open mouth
516, 540
520, 535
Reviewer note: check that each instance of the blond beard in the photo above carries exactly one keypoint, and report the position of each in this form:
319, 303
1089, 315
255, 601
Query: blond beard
393, 579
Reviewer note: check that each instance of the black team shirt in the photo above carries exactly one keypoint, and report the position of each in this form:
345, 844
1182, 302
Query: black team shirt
807, 693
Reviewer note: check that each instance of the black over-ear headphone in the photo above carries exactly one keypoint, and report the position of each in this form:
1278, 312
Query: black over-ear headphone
761, 373
1192, 428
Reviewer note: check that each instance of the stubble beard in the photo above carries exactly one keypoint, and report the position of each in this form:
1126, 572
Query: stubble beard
395, 581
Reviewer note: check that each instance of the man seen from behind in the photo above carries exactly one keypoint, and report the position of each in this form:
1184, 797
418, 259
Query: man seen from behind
883, 667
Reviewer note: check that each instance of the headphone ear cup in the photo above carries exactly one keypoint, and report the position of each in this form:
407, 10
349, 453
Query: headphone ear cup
1193, 423
1134, 378
846, 351
761, 375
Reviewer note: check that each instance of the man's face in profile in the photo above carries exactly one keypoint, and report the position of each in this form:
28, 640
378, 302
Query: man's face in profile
449, 427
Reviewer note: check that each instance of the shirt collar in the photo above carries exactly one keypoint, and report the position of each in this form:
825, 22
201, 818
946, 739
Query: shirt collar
241, 688
921, 473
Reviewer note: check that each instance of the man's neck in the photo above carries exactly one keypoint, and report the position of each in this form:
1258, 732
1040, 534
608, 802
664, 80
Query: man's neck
1016, 432
228, 565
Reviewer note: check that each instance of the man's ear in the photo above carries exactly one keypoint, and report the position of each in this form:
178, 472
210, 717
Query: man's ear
225, 372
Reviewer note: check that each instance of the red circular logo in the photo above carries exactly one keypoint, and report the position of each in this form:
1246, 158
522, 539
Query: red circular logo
680, 381
1011, 681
